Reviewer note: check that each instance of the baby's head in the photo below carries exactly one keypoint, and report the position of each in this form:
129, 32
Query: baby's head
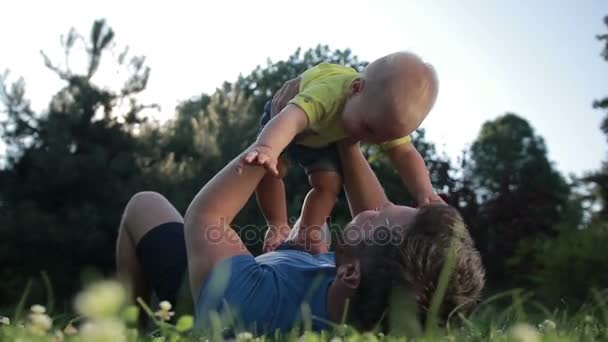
390, 99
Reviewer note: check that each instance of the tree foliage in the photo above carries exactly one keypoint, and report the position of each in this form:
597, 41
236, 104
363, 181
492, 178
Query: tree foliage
522, 195
603, 103
599, 179
70, 169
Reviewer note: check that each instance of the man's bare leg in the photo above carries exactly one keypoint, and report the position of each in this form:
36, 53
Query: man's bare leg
145, 211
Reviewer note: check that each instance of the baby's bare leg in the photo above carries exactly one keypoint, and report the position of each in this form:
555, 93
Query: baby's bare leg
318, 205
270, 194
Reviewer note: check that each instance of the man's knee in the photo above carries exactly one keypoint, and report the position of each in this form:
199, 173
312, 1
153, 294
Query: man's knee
147, 196
144, 201
147, 210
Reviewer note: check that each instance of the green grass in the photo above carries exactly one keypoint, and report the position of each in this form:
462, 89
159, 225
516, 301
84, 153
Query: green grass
509, 316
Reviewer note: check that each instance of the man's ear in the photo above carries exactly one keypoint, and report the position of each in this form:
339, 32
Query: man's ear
356, 86
350, 274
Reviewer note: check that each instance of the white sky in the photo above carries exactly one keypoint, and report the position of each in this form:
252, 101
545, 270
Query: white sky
539, 59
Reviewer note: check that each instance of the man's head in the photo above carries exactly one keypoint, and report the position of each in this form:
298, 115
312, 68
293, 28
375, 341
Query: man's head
391, 98
404, 249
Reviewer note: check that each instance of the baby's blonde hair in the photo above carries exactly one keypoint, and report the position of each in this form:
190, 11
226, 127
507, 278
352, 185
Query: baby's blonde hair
401, 85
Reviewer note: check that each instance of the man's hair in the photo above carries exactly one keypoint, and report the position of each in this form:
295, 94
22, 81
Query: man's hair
411, 265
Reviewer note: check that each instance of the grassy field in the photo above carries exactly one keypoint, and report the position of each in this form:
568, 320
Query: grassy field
102, 315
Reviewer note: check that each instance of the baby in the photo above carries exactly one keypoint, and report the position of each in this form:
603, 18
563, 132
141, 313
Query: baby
382, 105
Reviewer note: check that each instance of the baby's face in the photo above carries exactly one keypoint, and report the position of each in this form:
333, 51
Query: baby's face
391, 98
365, 122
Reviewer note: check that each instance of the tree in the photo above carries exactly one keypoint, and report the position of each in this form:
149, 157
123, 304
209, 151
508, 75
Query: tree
207, 132
71, 169
599, 179
603, 103
573, 263
522, 195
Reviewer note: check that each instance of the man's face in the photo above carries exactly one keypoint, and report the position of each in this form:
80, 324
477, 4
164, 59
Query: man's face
392, 219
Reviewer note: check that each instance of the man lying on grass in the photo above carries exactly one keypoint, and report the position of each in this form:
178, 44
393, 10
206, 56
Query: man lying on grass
385, 248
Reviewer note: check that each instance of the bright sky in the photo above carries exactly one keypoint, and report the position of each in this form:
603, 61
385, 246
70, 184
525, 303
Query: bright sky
539, 59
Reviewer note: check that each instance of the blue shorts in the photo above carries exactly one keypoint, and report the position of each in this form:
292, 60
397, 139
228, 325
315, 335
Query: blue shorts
309, 158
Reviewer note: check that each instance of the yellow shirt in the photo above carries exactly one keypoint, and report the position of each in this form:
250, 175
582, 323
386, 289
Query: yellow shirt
322, 97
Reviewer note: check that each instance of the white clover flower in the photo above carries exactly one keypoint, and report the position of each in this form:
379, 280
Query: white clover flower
5, 320
38, 322
547, 326
522, 332
244, 336
70, 329
164, 314
41, 320
104, 330
165, 305
102, 299
38, 309
38, 330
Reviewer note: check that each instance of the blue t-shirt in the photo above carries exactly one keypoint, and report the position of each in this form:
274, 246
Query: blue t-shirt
268, 292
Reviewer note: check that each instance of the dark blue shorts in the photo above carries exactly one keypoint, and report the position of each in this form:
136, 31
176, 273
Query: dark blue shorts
310, 159
162, 253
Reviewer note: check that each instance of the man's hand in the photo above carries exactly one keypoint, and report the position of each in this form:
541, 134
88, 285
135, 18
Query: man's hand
361, 185
288, 91
274, 237
263, 156
431, 198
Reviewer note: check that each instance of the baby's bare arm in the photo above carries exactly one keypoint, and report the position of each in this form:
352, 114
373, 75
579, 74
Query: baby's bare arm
275, 136
281, 130
413, 172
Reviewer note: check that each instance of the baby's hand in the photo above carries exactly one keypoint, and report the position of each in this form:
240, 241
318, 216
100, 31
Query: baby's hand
432, 198
264, 156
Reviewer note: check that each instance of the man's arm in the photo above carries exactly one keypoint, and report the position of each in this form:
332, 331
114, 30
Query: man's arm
275, 136
413, 172
209, 237
363, 190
